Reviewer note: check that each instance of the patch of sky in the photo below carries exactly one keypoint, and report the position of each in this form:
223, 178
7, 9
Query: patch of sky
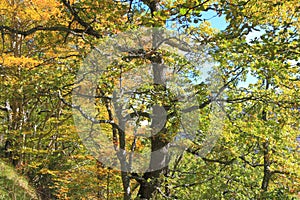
217, 22
220, 23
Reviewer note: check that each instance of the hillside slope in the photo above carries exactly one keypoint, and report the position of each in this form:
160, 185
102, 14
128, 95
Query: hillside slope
14, 186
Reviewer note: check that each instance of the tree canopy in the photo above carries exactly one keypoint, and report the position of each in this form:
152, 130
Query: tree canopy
108, 99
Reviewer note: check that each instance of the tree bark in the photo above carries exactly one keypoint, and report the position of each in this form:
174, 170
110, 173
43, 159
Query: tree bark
159, 146
267, 172
266, 154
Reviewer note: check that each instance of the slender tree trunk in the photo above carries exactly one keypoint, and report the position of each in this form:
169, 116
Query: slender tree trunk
266, 154
122, 157
119, 133
267, 163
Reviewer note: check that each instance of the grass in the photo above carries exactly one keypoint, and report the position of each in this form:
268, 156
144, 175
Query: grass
14, 186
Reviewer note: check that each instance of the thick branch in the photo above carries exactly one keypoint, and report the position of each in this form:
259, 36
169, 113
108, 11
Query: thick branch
88, 28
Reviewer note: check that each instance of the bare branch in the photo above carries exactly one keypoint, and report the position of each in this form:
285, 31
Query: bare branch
280, 172
3, 108
224, 162
249, 163
85, 115
196, 183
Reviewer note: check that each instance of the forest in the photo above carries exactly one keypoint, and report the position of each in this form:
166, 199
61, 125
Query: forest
150, 99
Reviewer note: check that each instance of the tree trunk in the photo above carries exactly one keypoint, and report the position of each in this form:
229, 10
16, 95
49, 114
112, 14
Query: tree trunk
267, 162
159, 146
267, 172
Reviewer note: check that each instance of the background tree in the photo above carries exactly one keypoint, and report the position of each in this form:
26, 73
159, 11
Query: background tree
43, 43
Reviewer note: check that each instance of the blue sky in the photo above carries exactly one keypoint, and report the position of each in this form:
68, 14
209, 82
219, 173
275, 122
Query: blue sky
220, 23
216, 21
